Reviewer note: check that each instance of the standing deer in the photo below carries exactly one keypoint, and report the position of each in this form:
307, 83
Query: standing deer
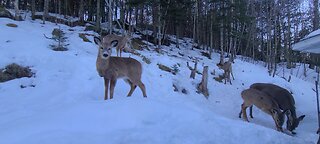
122, 42
227, 68
284, 99
264, 102
111, 68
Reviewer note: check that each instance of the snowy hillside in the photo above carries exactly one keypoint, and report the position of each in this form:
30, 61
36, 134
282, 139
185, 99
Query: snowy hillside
66, 105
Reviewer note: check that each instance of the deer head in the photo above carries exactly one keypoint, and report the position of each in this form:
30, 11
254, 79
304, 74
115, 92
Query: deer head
105, 47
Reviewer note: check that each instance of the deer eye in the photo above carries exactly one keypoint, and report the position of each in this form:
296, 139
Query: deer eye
101, 47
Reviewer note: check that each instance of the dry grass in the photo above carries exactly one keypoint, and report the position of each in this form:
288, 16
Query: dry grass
165, 68
83, 37
12, 25
14, 71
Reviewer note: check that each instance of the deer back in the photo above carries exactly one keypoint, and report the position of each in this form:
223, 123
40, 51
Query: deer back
279, 94
260, 100
116, 67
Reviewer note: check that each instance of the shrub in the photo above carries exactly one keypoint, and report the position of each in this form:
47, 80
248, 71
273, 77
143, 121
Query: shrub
14, 71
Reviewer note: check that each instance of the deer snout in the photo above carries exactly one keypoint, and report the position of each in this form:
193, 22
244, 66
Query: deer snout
105, 54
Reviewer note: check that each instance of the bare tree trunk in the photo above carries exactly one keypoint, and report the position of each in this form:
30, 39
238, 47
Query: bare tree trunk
141, 16
211, 36
17, 12
46, 11
65, 8
110, 16
155, 20
315, 14
199, 20
195, 19
159, 26
90, 11
81, 12
221, 44
202, 87
122, 11
288, 39
98, 19
177, 35
33, 9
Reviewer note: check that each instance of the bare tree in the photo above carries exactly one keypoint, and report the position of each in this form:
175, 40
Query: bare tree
98, 20
17, 12
33, 9
81, 12
315, 14
46, 10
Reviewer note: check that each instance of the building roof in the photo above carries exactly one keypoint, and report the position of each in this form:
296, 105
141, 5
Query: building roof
311, 43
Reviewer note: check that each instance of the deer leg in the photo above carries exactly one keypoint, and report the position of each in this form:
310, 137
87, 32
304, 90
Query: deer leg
117, 52
243, 108
133, 87
225, 78
232, 75
112, 85
229, 78
251, 111
279, 128
143, 88
106, 86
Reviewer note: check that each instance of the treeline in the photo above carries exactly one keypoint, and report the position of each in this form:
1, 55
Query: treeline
261, 29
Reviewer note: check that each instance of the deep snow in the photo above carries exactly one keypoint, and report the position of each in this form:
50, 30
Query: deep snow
67, 106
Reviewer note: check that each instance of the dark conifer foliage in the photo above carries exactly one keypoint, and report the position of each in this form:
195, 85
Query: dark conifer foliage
261, 29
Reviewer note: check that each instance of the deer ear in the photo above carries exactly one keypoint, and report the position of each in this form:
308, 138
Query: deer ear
114, 43
274, 111
97, 40
287, 112
301, 117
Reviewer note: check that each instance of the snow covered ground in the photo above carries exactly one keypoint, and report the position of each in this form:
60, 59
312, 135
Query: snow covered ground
66, 105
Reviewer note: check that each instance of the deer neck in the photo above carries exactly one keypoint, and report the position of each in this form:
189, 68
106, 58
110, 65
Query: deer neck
102, 65
293, 113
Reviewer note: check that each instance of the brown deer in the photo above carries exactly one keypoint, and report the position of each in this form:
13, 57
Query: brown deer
122, 42
111, 68
227, 68
285, 100
264, 102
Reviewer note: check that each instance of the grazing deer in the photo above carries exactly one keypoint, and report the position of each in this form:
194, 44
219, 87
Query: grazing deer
111, 68
285, 100
227, 68
264, 102
122, 42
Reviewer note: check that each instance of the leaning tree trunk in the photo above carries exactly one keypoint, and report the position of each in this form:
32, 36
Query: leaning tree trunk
202, 87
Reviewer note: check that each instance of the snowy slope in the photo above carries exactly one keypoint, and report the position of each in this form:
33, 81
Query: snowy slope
67, 106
